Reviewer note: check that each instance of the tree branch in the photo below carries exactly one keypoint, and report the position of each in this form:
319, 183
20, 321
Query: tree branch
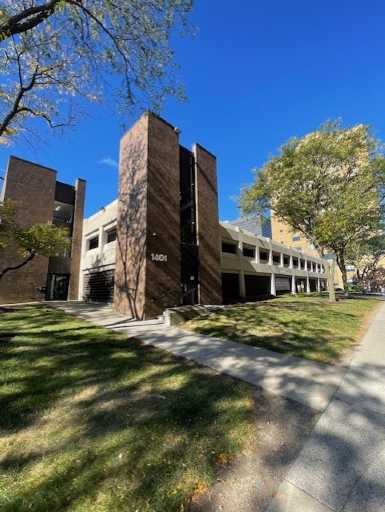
29, 258
27, 19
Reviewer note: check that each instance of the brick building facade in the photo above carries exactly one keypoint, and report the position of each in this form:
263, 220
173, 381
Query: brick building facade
39, 198
167, 227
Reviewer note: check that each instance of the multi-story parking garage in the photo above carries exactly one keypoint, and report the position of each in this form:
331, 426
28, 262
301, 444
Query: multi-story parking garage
251, 266
160, 244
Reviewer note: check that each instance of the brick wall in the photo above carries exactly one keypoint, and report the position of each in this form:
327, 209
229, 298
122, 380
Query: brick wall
32, 188
129, 295
210, 287
147, 275
163, 278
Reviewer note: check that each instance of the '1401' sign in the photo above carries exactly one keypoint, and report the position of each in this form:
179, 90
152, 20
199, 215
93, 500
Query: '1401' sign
158, 257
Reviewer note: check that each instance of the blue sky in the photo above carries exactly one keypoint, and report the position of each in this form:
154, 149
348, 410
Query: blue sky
255, 75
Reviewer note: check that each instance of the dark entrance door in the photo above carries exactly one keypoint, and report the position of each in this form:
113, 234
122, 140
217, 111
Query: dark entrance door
230, 288
256, 286
57, 288
99, 286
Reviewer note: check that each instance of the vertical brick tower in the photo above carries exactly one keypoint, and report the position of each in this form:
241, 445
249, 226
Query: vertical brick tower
168, 229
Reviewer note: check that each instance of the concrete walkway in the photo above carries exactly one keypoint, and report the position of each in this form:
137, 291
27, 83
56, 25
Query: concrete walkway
342, 466
310, 383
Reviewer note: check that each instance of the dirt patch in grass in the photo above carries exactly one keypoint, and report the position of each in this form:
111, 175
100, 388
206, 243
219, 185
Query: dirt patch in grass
308, 327
93, 421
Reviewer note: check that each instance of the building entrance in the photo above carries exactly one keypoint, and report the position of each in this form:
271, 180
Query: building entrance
57, 286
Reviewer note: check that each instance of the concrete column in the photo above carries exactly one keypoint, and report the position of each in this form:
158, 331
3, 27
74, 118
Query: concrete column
257, 260
299, 263
242, 284
293, 288
270, 256
281, 259
306, 265
318, 285
307, 284
272, 285
291, 261
75, 287
101, 242
240, 249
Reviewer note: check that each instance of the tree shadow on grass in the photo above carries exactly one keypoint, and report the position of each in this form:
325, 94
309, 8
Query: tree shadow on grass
282, 328
97, 422
91, 419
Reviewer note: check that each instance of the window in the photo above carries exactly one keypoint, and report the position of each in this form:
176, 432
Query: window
263, 256
62, 214
111, 235
286, 260
296, 238
249, 252
93, 243
229, 248
276, 259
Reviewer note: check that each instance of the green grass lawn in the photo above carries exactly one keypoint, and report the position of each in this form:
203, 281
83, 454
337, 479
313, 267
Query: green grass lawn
91, 421
303, 326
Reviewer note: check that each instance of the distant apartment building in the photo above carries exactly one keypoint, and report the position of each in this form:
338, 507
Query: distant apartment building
39, 198
284, 234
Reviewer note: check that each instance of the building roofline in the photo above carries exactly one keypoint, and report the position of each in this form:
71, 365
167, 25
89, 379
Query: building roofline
204, 149
103, 208
273, 243
157, 116
32, 163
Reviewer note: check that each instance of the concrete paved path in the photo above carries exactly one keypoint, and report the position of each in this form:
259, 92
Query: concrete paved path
312, 384
342, 466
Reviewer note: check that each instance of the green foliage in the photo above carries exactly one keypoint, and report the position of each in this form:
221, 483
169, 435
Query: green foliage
328, 185
43, 239
56, 51
7, 223
28, 242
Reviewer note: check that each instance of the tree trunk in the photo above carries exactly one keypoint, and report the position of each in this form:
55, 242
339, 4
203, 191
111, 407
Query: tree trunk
342, 267
332, 293
16, 267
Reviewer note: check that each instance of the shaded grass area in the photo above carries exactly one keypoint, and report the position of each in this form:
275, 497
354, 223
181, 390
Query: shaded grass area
302, 326
93, 421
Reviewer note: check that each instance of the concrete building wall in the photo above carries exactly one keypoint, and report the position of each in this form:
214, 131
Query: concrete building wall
209, 277
312, 272
77, 236
32, 188
104, 256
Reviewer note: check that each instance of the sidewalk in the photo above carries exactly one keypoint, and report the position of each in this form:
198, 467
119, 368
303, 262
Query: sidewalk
342, 466
310, 383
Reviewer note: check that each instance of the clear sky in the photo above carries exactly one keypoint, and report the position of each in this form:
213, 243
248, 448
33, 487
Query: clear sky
257, 73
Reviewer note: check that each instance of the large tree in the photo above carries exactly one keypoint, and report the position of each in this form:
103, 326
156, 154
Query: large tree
368, 257
26, 243
54, 51
329, 186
